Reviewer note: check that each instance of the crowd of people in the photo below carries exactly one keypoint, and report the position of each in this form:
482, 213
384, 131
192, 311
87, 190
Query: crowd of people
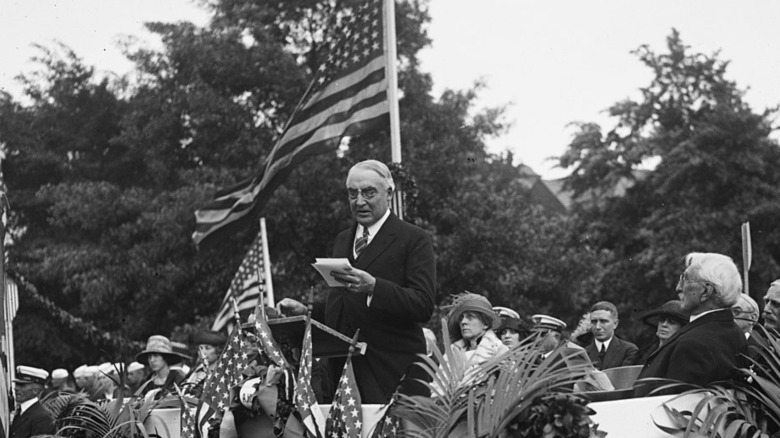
387, 294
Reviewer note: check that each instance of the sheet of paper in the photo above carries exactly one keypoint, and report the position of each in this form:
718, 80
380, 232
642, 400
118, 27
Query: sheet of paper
326, 266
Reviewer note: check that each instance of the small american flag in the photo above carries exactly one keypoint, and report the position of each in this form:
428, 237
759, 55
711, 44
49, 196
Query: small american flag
347, 97
345, 419
227, 374
246, 287
304, 394
266, 342
188, 423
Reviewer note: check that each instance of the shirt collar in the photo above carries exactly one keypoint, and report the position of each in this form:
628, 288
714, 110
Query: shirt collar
26, 405
605, 343
695, 317
374, 228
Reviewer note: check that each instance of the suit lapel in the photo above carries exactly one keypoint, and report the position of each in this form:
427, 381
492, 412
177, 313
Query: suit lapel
611, 352
383, 239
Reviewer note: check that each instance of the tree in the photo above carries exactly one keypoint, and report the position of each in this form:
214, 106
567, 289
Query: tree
104, 178
715, 169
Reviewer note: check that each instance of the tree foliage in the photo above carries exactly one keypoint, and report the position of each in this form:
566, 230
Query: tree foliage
104, 176
716, 167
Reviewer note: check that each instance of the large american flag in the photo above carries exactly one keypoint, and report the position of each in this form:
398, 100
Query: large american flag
347, 97
304, 397
345, 419
246, 287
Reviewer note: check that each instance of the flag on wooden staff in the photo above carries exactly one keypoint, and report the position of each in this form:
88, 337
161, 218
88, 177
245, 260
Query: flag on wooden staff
247, 285
345, 419
347, 97
304, 397
747, 256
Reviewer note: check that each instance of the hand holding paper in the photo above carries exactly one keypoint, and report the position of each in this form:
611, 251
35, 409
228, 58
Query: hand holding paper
327, 266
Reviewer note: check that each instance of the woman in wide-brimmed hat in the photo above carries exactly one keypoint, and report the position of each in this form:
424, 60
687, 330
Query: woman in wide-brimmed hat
471, 323
159, 356
667, 320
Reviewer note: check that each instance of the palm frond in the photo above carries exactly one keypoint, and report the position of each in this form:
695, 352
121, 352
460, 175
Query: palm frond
483, 400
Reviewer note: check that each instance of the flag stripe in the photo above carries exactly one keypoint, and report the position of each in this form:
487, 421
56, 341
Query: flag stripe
343, 88
340, 113
247, 285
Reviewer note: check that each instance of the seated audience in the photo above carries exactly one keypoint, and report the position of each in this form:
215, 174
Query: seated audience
607, 350
471, 323
771, 312
159, 356
667, 320
136, 375
711, 346
32, 418
746, 313
512, 331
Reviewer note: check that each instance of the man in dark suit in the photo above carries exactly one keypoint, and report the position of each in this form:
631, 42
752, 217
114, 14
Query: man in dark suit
31, 418
388, 290
711, 346
607, 350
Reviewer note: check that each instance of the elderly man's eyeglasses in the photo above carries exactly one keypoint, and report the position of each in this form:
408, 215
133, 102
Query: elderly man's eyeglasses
684, 280
367, 193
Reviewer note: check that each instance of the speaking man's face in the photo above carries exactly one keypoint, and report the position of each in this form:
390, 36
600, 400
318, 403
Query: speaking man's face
369, 196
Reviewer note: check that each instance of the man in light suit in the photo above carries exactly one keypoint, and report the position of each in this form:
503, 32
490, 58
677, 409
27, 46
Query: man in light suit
711, 346
388, 290
607, 350
31, 418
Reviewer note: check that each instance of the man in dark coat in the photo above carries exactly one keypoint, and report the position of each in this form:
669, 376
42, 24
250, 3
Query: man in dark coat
31, 418
607, 350
388, 290
711, 346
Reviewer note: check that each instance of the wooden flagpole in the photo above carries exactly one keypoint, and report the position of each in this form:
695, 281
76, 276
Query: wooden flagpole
269, 284
392, 99
747, 256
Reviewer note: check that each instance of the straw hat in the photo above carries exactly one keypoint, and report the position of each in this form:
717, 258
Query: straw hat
158, 344
469, 302
672, 309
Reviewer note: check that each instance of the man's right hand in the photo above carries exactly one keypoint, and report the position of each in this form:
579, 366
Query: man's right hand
290, 307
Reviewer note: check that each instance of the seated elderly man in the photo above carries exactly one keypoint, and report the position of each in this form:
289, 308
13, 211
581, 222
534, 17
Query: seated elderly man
711, 346
746, 316
771, 312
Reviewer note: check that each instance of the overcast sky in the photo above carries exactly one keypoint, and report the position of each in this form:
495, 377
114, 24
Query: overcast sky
555, 62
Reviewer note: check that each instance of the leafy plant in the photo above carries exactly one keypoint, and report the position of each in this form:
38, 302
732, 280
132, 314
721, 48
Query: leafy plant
77, 416
747, 407
484, 400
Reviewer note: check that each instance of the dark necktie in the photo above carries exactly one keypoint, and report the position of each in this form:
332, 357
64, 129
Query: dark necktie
361, 242
602, 353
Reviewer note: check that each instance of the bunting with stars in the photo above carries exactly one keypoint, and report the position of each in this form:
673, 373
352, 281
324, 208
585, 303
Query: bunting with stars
345, 419
305, 400
227, 374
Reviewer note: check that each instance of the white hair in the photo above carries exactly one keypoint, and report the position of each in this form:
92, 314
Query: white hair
720, 271
747, 303
377, 167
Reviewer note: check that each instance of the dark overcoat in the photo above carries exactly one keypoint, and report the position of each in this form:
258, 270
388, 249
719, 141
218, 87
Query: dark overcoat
619, 354
706, 350
401, 259
36, 420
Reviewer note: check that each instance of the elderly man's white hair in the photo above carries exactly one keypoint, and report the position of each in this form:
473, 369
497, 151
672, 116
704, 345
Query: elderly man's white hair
377, 167
720, 271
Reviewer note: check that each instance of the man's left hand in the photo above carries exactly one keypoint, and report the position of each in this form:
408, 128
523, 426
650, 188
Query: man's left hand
355, 280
